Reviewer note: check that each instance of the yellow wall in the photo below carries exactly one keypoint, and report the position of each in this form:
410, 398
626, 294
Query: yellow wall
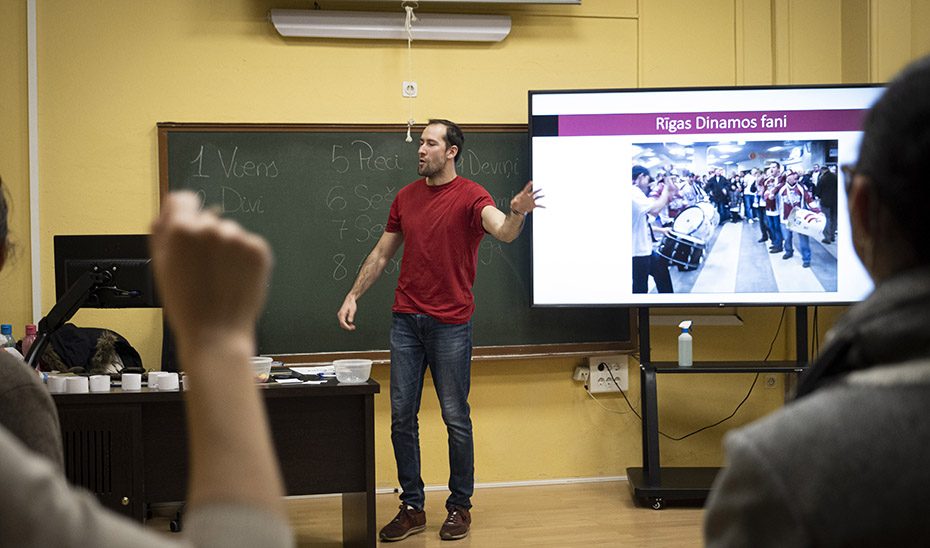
15, 278
109, 70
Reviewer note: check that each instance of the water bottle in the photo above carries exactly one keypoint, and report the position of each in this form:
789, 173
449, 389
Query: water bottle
6, 336
684, 344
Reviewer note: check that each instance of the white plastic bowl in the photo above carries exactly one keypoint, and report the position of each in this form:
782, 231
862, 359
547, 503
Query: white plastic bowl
352, 371
261, 367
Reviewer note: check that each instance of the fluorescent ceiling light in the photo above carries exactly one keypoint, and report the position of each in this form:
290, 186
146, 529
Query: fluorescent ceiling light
575, 2
390, 25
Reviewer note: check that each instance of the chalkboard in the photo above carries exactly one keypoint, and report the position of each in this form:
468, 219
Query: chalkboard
320, 194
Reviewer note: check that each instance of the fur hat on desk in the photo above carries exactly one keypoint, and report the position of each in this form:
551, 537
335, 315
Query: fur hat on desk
89, 350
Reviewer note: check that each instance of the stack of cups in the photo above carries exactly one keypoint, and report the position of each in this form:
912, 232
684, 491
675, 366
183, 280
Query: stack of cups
163, 380
56, 384
131, 382
99, 383
154, 378
168, 381
76, 385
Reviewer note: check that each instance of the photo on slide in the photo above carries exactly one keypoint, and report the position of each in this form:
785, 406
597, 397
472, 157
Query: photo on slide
742, 216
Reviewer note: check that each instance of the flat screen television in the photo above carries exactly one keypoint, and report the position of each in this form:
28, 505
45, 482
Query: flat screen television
584, 144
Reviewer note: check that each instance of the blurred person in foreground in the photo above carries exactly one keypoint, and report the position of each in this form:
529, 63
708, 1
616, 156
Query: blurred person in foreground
845, 464
212, 278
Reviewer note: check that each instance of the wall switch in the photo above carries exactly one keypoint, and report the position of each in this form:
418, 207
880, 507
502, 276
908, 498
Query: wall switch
606, 372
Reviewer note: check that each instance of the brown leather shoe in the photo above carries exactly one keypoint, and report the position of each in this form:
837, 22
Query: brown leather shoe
456, 524
408, 521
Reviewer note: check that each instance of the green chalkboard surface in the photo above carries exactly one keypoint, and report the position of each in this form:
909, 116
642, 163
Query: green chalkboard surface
321, 194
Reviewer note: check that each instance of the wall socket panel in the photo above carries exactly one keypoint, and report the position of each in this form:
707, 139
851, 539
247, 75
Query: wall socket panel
409, 89
601, 369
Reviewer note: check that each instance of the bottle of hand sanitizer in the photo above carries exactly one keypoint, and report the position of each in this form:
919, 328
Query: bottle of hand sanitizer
684, 344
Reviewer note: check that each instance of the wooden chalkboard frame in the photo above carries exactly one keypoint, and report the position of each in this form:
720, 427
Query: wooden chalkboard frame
531, 351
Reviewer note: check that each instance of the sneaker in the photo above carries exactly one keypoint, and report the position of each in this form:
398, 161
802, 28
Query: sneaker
763, 240
775, 249
827, 241
806, 264
408, 521
456, 524
788, 255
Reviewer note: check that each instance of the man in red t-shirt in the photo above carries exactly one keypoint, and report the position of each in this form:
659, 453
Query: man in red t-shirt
440, 220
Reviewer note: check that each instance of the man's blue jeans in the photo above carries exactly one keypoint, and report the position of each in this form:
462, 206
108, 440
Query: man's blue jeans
417, 342
747, 201
774, 230
803, 244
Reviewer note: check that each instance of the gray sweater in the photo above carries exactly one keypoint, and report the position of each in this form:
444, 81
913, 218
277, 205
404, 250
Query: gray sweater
27, 409
39, 508
847, 464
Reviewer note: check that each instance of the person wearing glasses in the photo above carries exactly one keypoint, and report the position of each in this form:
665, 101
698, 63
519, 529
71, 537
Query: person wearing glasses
845, 463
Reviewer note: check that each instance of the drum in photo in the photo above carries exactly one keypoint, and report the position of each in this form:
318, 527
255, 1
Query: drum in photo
697, 221
681, 249
804, 221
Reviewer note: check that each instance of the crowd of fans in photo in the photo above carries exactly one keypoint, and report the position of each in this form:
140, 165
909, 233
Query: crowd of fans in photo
766, 197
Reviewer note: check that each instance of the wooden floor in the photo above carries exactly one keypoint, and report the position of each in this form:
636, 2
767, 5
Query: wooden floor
578, 514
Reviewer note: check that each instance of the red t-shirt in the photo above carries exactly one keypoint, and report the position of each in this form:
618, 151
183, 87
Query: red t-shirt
442, 231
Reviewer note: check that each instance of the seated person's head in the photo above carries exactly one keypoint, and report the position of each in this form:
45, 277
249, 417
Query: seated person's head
890, 182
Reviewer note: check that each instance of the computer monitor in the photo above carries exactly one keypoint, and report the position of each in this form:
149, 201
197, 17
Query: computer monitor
124, 261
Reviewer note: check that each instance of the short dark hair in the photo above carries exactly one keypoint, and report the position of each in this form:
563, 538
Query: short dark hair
639, 170
454, 135
894, 150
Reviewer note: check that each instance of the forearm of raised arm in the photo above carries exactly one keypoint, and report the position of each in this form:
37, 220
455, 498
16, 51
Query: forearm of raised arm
504, 227
511, 227
232, 457
374, 264
371, 269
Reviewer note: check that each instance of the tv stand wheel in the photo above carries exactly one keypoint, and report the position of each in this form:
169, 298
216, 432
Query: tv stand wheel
657, 503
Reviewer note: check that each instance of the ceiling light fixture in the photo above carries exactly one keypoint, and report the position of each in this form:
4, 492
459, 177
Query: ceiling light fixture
390, 26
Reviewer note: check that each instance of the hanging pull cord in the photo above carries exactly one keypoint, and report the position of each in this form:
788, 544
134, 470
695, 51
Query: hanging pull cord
408, 26
411, 17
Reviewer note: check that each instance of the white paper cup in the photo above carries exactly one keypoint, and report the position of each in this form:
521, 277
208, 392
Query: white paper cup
168, 381
155, 379
99, 383
132, 382
56, 384
76, 385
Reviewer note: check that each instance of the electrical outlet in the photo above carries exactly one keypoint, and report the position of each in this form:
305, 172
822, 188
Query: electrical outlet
409, 89
604, 370
581, 373
770, 381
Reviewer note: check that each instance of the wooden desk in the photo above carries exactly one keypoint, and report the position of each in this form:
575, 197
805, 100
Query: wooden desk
130, 448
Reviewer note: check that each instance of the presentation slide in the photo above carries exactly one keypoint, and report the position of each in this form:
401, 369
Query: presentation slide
747, 216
